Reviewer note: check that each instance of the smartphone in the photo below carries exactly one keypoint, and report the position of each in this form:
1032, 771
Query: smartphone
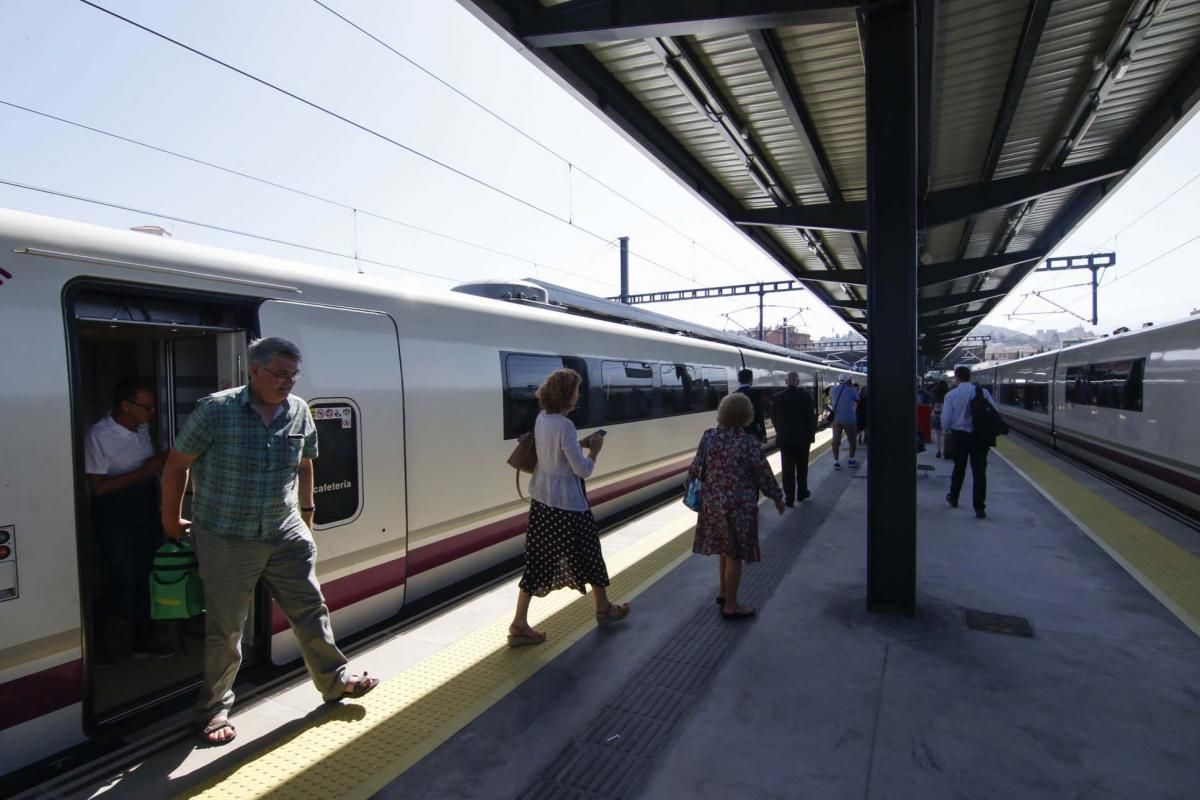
602, 433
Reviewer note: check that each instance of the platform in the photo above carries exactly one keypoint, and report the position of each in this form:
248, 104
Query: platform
813, 698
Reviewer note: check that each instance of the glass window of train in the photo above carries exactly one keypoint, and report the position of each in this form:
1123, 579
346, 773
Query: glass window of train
336, 482
1078, 390
523, 374
678, 388
715, 385
628, 390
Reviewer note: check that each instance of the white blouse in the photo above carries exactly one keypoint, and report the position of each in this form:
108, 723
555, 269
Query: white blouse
560, 465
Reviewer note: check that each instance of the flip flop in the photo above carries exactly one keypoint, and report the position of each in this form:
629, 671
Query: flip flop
520, 640
356, 687
217, 724
742, 612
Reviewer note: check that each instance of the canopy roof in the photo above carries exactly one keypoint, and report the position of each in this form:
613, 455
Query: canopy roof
1030, 113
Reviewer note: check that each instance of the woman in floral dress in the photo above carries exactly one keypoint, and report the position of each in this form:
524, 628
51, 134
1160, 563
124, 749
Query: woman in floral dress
731, 464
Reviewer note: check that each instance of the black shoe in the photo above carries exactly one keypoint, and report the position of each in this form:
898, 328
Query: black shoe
953, 503
789, 503
939, 454
980, 513
152, 650
807, 494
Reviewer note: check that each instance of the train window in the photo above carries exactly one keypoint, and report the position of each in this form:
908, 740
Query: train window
681, 389
523, 374
715, 384
1111, 384
1026, 390
336, 482
629, 391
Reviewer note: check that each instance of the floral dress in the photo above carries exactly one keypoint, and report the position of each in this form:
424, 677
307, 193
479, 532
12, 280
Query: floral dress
734, 472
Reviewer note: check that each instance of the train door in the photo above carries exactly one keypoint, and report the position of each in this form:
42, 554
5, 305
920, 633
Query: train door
174, 349
351, 379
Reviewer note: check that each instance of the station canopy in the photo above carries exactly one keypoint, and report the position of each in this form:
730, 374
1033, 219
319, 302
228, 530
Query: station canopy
1030, 112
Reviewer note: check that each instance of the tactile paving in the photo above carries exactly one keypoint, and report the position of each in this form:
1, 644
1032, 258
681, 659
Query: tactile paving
1165, 569
617, 747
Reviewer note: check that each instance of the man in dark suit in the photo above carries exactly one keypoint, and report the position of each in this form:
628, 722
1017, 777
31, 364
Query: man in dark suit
758, 428
795, 429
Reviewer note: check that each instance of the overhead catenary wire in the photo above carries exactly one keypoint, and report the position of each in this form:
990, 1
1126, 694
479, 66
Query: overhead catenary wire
573, 167
296, 191
368, 130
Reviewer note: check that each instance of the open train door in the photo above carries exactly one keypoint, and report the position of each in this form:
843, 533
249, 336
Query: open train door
351, 379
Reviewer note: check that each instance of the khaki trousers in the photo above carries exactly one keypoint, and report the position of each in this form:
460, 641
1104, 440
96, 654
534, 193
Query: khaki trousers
230, 568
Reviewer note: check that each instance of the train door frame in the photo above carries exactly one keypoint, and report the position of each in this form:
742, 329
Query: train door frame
98, 723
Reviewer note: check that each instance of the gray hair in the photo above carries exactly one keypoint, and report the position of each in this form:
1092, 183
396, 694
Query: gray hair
261, 351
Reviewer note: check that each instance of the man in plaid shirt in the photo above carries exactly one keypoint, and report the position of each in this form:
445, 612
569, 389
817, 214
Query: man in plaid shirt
249, 451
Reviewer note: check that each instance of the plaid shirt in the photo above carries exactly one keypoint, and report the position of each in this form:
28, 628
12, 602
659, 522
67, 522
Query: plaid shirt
244, 478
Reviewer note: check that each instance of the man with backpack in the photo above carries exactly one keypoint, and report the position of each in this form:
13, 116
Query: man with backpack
970, 418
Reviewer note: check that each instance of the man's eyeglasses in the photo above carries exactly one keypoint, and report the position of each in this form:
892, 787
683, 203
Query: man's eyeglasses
149, 409
284, 377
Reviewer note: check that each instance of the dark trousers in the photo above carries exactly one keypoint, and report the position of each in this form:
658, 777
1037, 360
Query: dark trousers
967, 446
795, 472
127, 532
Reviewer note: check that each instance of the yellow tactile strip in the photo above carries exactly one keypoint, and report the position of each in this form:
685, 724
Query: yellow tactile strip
1162, 567
356, 749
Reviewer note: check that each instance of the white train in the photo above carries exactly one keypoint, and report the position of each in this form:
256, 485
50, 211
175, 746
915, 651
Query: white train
418, 400
1124, 404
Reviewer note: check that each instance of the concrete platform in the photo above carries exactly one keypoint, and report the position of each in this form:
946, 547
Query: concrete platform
816, 698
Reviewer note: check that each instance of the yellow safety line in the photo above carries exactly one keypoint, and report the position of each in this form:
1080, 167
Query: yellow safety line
1170, 573
356, 749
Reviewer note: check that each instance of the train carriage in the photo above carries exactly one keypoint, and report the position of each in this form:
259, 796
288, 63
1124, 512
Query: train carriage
417, 399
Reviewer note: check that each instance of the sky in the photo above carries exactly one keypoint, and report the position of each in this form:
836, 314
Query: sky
475, 165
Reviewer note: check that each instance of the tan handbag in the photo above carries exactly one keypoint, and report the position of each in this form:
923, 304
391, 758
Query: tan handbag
523, 458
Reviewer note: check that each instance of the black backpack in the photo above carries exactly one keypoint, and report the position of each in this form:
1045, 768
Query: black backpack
986, 419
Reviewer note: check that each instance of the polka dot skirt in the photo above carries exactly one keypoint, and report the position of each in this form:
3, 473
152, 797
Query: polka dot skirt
562, 549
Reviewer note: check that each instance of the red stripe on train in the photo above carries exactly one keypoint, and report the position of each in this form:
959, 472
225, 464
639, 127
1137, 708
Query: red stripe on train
38, 694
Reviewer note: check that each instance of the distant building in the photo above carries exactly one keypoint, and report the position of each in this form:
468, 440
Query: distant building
1009, 352
787, 336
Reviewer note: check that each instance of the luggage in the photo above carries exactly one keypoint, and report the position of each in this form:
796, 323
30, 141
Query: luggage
986, 420
175, 588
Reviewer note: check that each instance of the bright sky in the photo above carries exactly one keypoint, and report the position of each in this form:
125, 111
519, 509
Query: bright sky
563, 184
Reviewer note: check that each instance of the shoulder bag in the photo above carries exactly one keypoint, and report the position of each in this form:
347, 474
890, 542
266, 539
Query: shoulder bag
523, 458
692, 497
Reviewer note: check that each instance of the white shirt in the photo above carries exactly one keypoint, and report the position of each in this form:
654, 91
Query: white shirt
111, 449
560, 465
956, 408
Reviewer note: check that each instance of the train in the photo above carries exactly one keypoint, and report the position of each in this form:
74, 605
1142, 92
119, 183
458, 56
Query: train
418, 399
1121, 404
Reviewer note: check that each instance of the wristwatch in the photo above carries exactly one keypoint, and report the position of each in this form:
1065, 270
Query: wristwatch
304, 510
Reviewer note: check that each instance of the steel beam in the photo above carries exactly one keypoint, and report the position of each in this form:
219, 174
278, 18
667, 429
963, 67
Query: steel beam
709, 292
595, 21
932, 274
928, 305
946, 205
892, 110
774, 60
1031, 37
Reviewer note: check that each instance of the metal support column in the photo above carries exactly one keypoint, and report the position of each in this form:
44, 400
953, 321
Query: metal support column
892, 136
624, 240
762, 334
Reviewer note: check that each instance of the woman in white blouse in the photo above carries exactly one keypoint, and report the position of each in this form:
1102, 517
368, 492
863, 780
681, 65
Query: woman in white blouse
562, 546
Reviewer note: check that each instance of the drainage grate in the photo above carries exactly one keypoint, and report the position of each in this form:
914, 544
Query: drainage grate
607, 759
998, 623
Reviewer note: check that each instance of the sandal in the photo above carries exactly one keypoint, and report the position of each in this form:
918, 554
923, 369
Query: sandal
526, 636
355, 687
615, 613
218, 723
741, 612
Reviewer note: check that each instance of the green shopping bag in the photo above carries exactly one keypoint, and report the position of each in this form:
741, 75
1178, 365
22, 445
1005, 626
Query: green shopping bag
175, 588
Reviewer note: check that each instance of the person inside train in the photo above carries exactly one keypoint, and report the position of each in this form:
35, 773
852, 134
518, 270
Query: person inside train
122, 468
843, 401
758, 425
249, 452
562, 544
733, 469
958, 421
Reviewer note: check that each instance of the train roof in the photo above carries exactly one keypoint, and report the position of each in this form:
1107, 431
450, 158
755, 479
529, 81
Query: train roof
37, 234
1121, 336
